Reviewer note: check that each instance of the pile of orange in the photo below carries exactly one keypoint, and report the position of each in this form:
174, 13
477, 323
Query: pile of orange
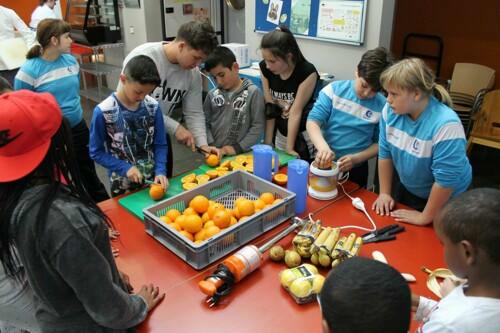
205, 218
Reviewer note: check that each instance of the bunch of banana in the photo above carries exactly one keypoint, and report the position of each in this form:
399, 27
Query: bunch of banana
304, 240
317, 244
348, 249
322, 249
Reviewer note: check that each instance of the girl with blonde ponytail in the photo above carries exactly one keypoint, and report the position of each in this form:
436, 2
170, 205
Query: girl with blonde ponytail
422, 157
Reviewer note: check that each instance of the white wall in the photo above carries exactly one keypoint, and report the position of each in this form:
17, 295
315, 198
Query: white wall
338, 59
138, 25
141, 25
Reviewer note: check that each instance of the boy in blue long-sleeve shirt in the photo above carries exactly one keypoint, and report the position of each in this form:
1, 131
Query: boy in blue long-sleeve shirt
343, 123
127, 135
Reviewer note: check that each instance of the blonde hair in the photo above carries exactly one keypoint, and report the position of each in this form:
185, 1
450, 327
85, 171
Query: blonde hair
412, 74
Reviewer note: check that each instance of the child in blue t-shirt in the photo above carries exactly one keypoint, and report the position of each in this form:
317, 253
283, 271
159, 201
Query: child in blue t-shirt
423, 141
127, 135
343, 123
51, 68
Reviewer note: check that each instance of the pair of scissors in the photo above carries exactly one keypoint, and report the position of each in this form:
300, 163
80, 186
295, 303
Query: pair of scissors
384, 234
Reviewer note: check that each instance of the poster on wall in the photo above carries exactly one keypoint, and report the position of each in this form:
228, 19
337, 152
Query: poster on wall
274, 11
340, 19
201, 14
299, 16
337, 21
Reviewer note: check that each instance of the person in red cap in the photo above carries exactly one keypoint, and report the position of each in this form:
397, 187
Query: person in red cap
17, 306
60, 234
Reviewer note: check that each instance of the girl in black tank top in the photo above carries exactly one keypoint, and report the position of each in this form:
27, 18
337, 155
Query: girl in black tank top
289, 81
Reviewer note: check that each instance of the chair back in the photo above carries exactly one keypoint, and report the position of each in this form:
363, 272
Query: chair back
487, 123
469, 78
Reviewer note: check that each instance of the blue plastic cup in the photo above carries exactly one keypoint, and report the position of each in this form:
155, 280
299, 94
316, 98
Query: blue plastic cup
263, 161
298, 171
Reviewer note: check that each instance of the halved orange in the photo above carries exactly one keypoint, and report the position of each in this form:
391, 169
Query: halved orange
280, 179
188, 178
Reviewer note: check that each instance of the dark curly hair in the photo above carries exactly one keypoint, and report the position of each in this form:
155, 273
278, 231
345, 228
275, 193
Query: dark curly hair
199, 36
474, 216
363, 295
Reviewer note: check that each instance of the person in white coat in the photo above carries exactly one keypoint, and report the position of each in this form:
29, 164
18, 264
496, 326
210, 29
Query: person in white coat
43, 11
11, 26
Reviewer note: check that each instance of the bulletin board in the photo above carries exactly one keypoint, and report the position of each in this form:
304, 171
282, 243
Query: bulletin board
337, 21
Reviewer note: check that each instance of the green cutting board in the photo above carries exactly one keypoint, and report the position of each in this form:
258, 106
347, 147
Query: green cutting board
139, 200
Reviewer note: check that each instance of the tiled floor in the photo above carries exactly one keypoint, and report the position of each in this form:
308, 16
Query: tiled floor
484, 160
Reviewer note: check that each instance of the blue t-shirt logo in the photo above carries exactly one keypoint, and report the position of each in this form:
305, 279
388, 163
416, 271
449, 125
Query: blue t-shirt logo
416, 145
368, 114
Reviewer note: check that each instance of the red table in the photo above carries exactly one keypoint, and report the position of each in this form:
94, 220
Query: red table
257, 303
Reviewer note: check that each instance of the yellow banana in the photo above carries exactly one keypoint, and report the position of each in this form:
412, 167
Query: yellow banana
349, 242
338, 247
321, 239
356, 247
330, 240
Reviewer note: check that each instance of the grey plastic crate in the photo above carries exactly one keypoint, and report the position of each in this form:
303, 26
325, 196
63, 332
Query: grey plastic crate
224, 190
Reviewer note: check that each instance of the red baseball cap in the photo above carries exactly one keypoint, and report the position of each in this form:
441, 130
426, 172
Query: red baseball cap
28, 121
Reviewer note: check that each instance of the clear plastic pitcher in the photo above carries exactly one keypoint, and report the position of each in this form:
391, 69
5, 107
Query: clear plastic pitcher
263, 161
298, 172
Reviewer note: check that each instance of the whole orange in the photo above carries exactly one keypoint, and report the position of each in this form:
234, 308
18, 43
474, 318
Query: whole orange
267, 197
259, 204
246, 208
172, 214
212, 209
180, 220
200, 235
208, 224
156, 191
193, 224
189, 211
236, 212
234, 220
199, 203
210, 231
205, 217
212, 160
165, 219
222, 219
176, 226
187, 235
239, 199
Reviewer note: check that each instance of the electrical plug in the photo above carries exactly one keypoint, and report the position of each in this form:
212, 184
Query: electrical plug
358, 204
